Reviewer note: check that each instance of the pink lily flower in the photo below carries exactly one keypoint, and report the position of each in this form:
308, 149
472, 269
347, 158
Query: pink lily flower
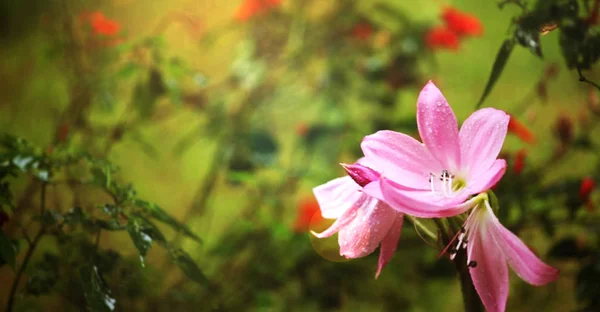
363, 222
489, 247
435, 178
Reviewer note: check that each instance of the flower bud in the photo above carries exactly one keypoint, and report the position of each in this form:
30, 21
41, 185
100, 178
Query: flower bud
362, 175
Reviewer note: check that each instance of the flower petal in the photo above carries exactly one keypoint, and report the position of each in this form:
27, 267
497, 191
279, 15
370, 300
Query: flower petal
371, 224
490, 275
389, 243
438, 127
400, 157
419, 203
342, 221
337, 196
489, 178
521, 259
481, 138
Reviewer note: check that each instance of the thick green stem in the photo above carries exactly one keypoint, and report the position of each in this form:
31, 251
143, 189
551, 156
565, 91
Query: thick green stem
470, 297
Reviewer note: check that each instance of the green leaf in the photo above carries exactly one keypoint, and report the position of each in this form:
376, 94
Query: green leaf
497, 68
568, 248
159, 214
264, 147
8, 251
97, 294
143, 233
529, 38
185, 262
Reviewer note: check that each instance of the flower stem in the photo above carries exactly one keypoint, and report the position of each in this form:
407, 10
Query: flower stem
471, 299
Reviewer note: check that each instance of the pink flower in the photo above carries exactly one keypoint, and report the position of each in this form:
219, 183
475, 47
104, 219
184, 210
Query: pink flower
489, 247
435, 178
363, 222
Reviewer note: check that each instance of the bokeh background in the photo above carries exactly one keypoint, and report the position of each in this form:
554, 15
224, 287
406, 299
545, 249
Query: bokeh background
227, 113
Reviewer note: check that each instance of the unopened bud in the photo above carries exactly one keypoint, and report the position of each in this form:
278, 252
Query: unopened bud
586, 188
564, 129
362, 175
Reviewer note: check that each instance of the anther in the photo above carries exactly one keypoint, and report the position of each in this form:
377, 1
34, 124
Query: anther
472, 264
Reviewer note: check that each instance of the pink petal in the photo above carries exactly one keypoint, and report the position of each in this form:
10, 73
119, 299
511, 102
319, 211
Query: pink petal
438, 127
371, 224
337, 196
481, 138
342, 221
389, 243
490, 276
400, 157
521, 259
489, 178
419, 203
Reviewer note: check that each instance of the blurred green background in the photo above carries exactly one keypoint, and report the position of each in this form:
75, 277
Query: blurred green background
228, 124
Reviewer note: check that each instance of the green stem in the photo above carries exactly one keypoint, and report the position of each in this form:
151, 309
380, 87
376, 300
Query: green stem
471, 299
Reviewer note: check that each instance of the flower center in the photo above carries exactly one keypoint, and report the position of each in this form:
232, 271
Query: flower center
448, 183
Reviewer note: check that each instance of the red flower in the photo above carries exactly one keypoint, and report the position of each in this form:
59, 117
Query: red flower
461, 23
251, 8
585, 190
104, 26
520, 130
519, 163
441, 37
362, 31
309, 213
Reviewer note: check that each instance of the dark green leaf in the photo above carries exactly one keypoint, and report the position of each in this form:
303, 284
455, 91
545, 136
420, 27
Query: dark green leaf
529, 38
110, 225
586, 285
8, 250
43, 276
569, 248
97, 294
143, 233
74, 215
264, 147
185, 262
499, 64
159, 214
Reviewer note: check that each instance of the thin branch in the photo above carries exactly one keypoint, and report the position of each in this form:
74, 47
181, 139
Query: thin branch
33, 245
583, 79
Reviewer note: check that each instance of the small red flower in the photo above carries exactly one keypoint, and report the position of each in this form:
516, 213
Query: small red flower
461, 23
102, 25
362, 31
519, 163
251, 8
309, 213
520, 130
585, 191
441, 37
586, 188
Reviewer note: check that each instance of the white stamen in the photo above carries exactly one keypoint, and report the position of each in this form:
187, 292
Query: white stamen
431, 178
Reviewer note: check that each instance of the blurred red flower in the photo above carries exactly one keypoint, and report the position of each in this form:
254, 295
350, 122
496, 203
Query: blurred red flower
362, 31
101, 25
585, 191
441, 37
461, 23
309, 212
520, 130
251, 8
519, 163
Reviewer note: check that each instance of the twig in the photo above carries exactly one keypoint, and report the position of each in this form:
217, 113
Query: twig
583, 79
32, 247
